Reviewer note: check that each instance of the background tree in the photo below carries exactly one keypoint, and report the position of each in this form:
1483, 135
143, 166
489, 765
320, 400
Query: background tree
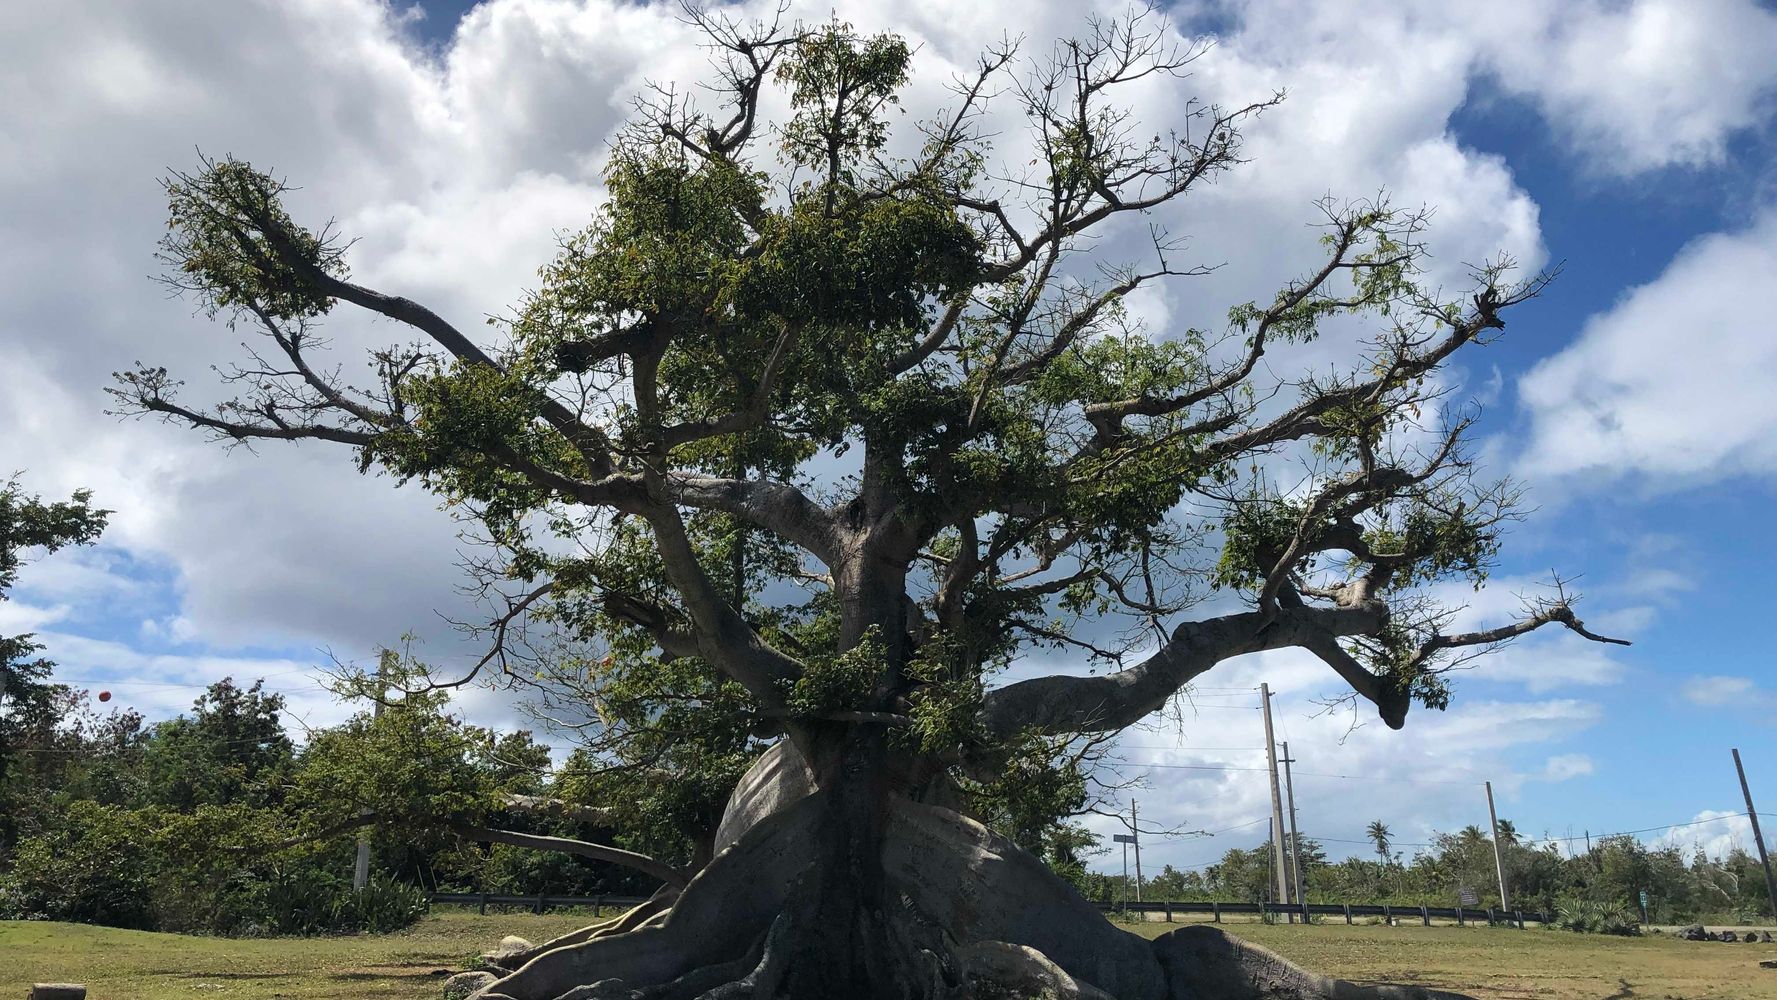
30, 705
855, 425
412, 771
1378, 834
232, 748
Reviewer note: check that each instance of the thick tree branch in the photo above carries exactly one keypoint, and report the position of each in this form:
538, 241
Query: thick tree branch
541, 805
580, 848
1557, 612
776, 507
1057, 704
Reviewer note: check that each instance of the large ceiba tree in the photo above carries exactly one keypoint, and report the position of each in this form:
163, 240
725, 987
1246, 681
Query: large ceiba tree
838, 424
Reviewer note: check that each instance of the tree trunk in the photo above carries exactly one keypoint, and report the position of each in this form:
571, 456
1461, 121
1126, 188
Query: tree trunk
830, 882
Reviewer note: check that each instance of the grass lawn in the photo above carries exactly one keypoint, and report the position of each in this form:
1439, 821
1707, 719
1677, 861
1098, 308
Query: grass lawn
1506, 964
139, 965
1494, 964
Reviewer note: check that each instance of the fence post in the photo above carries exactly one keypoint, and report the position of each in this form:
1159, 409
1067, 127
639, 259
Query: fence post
1388, 914
1520, 915
1347, 913
1425, 914
1490, 916
1169, 911
1459, 921
1215, 910
484, 900
598, 905
539, 906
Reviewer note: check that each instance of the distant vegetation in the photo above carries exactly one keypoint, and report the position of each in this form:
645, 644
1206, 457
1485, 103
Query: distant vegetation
183, 825
1682, 885
215, 822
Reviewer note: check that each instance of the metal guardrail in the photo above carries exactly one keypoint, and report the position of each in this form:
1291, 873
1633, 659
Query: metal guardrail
537, 903
1426, 914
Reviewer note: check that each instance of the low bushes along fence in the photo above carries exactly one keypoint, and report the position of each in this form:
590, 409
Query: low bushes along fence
1350, 911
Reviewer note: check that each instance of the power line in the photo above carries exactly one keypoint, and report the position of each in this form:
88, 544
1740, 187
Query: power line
1200, 767
1243, 826
1548, 840
167, 684
1317, 774
1391, 780
1128, 746
1651, 829
1335, 840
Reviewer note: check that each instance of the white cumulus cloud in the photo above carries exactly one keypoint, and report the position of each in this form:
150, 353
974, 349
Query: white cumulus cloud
1717, 690
1673, 384
1563, 766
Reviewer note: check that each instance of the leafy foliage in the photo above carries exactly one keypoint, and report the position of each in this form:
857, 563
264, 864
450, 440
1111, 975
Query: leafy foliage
91, 866
1592, 916
251, 257
30, 705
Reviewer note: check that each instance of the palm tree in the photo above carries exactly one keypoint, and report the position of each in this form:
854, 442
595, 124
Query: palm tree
1378, 834
1508, 834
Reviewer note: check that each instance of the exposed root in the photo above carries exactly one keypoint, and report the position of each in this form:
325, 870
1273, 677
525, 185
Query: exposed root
765, 976
717, 918
962, 914
1203, 963
979, 886
997, 969
655, 906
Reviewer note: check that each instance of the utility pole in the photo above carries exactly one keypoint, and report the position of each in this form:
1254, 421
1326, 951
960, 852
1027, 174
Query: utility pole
1283, 878
361, 871
1125, 887
1135, 832
1757, 837
1499, 865
1289, 788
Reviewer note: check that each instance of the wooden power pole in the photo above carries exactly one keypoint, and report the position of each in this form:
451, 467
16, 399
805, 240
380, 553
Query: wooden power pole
1757, 837
1135, 832
1277, 863
361, 871
1289, 791
1499, 865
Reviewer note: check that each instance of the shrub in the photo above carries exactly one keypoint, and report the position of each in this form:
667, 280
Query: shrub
1591, 916
309, 904
383, 906
91, 865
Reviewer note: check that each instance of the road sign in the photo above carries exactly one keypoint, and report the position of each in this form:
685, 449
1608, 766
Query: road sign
1466, 896
1122, 838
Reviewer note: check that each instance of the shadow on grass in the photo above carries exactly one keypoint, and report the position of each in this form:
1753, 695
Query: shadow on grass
428, 971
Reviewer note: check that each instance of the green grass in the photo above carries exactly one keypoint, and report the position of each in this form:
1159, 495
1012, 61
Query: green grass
1507, 964
1494, 964
139, 965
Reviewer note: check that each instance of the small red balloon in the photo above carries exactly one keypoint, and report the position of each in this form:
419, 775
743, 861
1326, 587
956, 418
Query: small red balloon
104, 696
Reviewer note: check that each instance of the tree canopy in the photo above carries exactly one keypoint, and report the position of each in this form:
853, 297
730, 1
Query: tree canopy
680, 397
824, 421
28, 699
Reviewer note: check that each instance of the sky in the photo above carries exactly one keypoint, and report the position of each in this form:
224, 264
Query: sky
1629, 142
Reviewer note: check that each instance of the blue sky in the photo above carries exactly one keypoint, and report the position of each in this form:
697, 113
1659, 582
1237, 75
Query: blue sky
1630, 140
